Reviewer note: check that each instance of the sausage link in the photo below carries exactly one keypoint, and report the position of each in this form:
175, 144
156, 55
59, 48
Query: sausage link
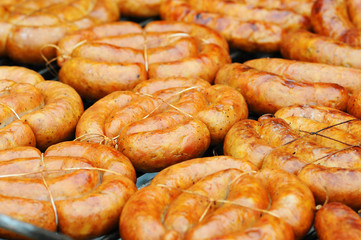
315, 48
266, 92
337, 221
310, 72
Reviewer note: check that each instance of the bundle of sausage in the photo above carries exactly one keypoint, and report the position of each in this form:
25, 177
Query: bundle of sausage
117, 56
248, 25
320, 145
163, 121
219, 198
30, 28
78, 188
35, 112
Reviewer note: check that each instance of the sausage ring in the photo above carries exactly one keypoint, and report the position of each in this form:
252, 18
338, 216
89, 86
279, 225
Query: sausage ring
163, 121
266, 92
34, 112
29, 28
213, 198
40, 189
243, 25
118, 56
320, 145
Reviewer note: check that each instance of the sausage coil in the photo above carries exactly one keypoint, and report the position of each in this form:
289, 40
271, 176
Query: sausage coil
34, 112
320, 145
78, 188
163, 121
30, 28
118, 56
219, 198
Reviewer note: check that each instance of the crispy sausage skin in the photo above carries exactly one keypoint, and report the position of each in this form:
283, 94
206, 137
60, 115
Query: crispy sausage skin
139, 8
354, 104
29, 29
337, 221
46, 112
164, 121
318, 144
57, 120
182, 194
302, 7
354, 8
118, 56
266, 92
315, 48
89, 208
310, 72
244, 25
330, 18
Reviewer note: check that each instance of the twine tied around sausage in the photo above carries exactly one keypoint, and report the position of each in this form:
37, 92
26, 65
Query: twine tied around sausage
43, 170
113, 141
11, 109
214, 201
50, 67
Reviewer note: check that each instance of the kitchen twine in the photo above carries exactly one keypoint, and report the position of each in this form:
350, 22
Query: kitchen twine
213, 201
66, 56
113, 141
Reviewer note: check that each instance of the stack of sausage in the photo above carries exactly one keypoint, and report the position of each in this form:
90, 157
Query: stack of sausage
157, 110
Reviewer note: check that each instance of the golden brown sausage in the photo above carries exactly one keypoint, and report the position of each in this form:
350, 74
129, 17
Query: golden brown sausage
354, 102
330, 18
48, 111
320, 145
353, 7
117, 56
249, 36
310, 47
105, 180
302, 7
186, 196
337, 221
139, 8
310, 72
28, 29
266, 92
163, 121
57, 120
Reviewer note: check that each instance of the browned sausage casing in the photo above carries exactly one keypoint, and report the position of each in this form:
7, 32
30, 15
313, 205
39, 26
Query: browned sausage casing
316, 48
330, 18
164, 121
89, 184
182, 203
318, 144
346, 77
337, 221
34, 112
266, 92
29, 29
245, 26
118, 56
139, 8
